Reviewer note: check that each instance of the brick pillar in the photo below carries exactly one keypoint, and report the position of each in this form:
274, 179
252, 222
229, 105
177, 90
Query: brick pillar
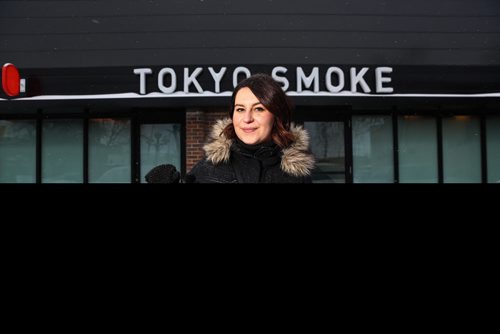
195, 137
198, 126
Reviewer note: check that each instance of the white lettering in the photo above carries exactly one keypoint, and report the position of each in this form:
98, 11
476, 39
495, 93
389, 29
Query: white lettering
283, 80
173, 80
308, 81
237, 71
335, 79
191, 79
142, 78
217, 77
340, 75
358, 78
379, 80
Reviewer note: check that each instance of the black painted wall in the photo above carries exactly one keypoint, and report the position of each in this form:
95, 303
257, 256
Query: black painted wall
82, 34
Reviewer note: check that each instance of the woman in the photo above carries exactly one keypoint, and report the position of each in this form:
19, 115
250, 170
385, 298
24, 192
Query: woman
258, 144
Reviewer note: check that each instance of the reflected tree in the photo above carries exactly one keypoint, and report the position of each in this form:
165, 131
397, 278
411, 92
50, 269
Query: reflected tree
157, 138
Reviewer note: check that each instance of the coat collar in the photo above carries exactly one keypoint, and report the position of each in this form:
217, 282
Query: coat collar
296, 159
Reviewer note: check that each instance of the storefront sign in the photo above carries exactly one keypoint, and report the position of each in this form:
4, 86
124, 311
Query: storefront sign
210, 84
298, 80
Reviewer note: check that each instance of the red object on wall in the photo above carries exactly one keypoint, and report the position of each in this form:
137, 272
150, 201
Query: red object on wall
10, 80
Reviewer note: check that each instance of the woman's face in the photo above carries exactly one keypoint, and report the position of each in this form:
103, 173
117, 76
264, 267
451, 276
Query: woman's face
252, 121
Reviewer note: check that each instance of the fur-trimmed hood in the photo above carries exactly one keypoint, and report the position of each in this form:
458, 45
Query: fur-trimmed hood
296, 159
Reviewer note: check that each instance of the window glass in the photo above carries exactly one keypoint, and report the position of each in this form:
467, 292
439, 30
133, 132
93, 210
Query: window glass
109, 151
373, 159
493, 148
160, 144
417, 140
327, 145
18, 151
62, 151
461, 149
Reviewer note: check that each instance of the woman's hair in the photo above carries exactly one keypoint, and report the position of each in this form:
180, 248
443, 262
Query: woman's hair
272, 96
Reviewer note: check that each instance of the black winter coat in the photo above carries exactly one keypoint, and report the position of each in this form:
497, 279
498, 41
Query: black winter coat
229, 161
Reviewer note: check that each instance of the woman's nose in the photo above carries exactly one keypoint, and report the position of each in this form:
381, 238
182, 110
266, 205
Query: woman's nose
248, 116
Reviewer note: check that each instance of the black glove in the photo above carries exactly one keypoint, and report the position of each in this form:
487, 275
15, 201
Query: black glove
163, 174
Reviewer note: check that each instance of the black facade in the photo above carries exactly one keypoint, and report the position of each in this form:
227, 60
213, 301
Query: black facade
339, 59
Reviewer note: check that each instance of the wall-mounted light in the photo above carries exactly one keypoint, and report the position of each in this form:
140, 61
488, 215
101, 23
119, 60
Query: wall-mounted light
12, 83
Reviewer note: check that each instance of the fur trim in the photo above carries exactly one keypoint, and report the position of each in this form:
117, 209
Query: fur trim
218, 147
296, 159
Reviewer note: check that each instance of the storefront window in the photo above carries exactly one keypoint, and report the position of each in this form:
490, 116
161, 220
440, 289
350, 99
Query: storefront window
17, 151
160, 144
327, 145
373, 159
417, 140
461, 149
62, 151
109, 151
493, 148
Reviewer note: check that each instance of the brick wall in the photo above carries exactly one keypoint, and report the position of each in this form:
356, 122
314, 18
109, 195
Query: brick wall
198, 125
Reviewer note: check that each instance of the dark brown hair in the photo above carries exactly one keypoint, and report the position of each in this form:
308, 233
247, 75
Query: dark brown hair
272, 96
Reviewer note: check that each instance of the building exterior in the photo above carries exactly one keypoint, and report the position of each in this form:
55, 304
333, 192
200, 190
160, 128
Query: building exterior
391, 91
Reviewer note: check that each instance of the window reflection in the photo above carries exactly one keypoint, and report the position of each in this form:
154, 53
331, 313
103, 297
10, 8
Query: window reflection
109, 151
17, 151
418, 158
461, 149
62, 151
160, 144
373, 159
493, 148
327, 145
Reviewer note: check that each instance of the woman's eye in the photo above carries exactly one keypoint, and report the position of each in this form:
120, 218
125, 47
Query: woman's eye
259, 109
240, 109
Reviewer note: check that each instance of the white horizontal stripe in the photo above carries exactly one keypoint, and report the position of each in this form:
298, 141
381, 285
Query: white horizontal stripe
228, 94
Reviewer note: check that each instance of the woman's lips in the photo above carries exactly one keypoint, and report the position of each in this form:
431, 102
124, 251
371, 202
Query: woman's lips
248, 130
